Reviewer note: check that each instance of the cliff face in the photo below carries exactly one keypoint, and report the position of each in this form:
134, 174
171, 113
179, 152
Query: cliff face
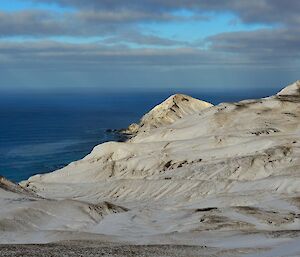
227, 174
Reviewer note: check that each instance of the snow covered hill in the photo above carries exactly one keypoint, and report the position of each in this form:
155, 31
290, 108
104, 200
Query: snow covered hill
172, 109
225, 176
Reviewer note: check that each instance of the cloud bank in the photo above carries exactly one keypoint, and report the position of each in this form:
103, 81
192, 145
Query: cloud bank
80, 34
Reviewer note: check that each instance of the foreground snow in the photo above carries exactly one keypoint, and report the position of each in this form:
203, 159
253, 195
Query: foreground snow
226, 176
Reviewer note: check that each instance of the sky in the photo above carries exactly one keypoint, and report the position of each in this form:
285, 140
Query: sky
144, 45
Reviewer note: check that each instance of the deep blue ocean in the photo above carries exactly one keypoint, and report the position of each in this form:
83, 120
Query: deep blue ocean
41, 133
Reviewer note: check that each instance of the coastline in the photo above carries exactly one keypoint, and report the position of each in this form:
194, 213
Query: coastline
223, 179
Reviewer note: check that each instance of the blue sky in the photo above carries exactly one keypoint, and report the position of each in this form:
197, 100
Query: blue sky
18, 5
52, 45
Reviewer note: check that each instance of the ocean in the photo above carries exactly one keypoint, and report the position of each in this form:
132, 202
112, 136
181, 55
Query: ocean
40, 133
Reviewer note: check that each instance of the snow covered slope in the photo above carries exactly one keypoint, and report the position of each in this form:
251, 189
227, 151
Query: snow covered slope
227, 176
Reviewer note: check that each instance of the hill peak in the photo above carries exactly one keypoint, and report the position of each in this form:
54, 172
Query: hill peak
173, 108
291, 90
